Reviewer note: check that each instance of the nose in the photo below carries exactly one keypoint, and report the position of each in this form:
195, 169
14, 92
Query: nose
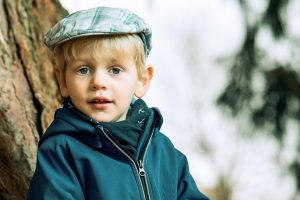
98, 81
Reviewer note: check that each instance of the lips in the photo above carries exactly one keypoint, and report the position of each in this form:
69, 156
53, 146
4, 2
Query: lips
100, 100
100, 103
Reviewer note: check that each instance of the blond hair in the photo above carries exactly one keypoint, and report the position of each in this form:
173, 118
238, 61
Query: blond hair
119, 45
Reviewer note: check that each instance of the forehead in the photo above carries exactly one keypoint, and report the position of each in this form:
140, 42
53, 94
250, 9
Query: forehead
117, 47
103, 47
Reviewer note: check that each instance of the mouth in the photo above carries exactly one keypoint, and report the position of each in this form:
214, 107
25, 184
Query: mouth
100, 100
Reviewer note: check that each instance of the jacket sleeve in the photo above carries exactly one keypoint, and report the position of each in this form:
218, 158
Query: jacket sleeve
187, 188
54, 177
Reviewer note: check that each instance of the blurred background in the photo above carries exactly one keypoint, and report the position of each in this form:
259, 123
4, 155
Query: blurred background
227, 83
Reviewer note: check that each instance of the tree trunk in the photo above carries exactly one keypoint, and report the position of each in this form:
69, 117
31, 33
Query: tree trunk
28, 90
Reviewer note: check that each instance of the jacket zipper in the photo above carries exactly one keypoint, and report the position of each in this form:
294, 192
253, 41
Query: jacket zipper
138, 165
142, 175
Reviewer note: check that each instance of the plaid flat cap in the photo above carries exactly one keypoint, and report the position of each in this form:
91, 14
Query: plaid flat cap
99, 21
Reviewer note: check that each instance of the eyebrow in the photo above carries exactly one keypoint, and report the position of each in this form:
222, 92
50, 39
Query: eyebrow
90, 59
114, 60
79, 61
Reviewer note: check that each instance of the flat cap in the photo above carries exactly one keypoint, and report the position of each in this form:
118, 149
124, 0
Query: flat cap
99, 21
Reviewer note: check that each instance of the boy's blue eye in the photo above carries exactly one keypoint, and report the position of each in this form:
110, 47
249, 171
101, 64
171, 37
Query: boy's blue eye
115, 70
84, 70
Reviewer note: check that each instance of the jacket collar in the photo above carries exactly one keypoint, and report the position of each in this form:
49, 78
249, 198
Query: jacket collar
68, 120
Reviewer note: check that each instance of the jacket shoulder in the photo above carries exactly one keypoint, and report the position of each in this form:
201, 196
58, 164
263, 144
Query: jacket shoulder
57, 142
163, 142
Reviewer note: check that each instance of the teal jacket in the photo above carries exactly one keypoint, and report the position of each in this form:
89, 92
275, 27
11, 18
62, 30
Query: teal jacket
79, 159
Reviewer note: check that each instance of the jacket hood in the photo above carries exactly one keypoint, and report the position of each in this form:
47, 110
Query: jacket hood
68, 120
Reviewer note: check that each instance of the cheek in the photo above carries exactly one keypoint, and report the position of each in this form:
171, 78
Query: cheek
74, 85
133, 87
126, 91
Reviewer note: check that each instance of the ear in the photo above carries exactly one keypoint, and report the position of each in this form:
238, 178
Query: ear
144, 82
61, 82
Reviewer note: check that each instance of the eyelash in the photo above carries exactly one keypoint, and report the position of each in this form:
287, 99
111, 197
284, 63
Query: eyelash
83, 68
113, 70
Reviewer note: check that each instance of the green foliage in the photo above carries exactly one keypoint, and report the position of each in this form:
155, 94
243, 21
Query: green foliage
273, 19
282, 91
280, 96
238, 91
282, 84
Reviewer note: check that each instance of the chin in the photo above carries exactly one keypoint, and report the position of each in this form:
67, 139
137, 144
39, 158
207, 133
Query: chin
107, 118
104, 119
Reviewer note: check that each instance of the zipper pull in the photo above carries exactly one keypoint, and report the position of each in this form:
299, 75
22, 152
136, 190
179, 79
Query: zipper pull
141, 168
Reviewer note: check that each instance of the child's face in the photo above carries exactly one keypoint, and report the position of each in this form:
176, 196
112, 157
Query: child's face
103, 88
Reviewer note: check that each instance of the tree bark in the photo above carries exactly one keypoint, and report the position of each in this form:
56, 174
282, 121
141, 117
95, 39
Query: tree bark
28, 91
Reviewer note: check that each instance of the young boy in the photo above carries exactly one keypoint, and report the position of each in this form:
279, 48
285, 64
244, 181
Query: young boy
105, 142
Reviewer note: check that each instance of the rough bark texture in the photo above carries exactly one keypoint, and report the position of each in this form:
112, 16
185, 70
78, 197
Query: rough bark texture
28, 90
